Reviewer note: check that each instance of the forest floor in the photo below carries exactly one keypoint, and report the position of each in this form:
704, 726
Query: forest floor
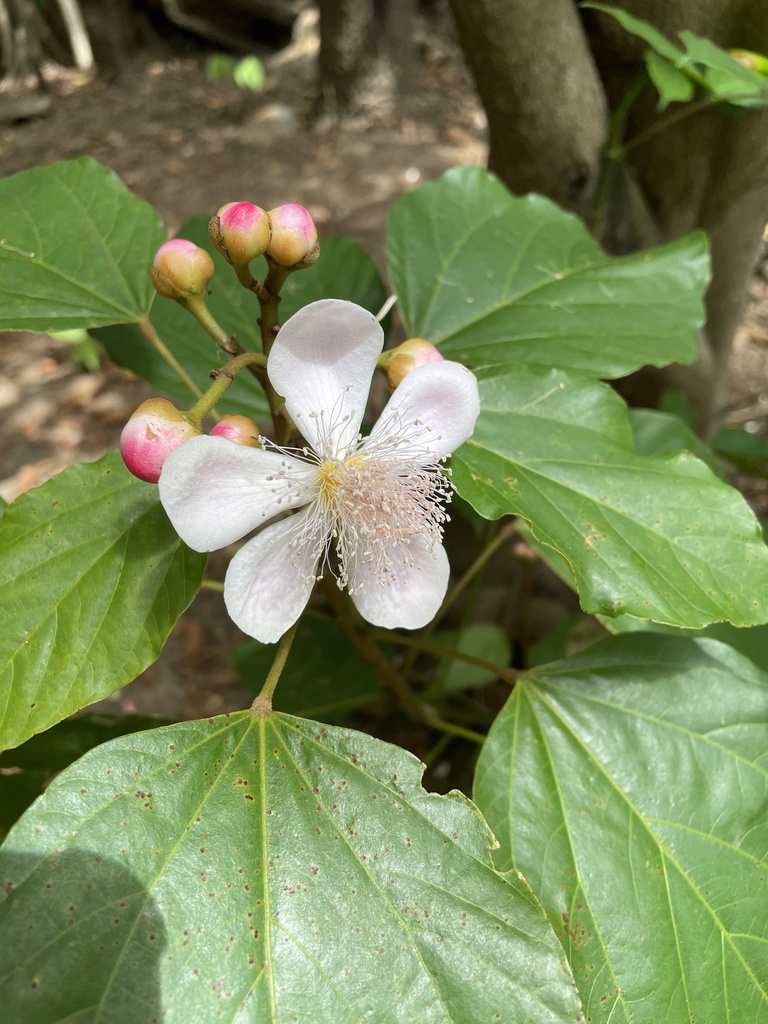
188, 145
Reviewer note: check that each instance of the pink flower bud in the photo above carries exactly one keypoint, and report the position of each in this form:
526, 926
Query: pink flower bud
294, 237
406, 357
150, 435
241, 232
239, 429
181, 269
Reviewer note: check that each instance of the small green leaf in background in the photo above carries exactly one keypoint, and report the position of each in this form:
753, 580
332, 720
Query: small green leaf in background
483, 640
76, 249
726, 78
660, 433
266, 869
93, 579
629, 785
325, 678
656, 537
492, 278
637, 27
744, 449
343, 271
703, 63
672, 85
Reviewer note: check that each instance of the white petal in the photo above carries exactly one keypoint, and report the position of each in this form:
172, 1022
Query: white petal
412, 600
268, 582
216, 491
435, 407
321, 363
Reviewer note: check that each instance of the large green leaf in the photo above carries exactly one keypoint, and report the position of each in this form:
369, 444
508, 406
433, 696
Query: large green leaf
75, 248
630, 785
93, 578
656, 537
343, 271
265, 869
26, 770
492, 279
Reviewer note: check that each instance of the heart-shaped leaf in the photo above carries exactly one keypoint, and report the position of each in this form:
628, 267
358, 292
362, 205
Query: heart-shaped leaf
492, 278
75, 248
629, 785
93, 578
657, 537
266, 869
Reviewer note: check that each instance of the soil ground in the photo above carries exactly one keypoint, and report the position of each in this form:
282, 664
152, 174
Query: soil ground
188, 145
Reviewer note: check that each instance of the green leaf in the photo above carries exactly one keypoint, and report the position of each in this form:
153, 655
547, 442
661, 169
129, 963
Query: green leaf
672, 85
27, 770
629, 785
659, 433
746, 450
94, 577
483, 640
658, 538
344, 271
492, 279
724, 77
75, 248
325, 677
266, 869
638, 27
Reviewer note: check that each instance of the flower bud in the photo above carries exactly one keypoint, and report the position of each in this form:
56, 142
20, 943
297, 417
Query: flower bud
406, 357
240, 232
756, 62
294, 242
181, 269
150, 435
239, 429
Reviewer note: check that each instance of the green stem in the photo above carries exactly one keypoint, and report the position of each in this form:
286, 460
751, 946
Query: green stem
620, 152
262, 706
215, 585
197, 307
509, 675
365, 644
456, 730
147, 328
223, 379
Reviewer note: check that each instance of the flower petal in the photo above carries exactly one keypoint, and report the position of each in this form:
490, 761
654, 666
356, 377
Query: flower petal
434, 409
321, 363
216, 491
413, 598
268, 582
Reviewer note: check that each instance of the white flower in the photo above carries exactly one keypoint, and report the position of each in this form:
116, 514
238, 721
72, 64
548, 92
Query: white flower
380, 498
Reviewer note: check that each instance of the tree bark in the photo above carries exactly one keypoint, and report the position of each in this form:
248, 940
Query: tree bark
547, 114
367, 54
546, 85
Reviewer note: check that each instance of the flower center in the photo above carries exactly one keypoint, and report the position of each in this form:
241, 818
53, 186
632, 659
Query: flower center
373, 504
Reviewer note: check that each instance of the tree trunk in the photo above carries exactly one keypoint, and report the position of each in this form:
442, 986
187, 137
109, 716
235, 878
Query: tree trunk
547, 114
367, 54
546, 83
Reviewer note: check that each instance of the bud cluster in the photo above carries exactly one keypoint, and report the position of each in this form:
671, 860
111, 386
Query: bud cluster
157, 427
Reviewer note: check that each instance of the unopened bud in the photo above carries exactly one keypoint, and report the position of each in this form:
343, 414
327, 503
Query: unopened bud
294, 243
240, 232
181, 269
150, 435
400, 361
757, 62
237, 428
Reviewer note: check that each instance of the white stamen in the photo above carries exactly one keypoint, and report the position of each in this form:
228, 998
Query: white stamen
371, 498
